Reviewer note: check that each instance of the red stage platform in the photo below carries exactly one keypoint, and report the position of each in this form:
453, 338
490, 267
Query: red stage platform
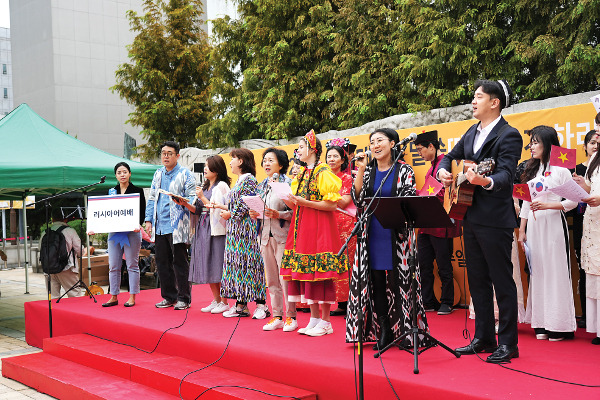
322, 365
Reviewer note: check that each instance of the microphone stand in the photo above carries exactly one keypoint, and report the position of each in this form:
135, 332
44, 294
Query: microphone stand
46, 202
358, 231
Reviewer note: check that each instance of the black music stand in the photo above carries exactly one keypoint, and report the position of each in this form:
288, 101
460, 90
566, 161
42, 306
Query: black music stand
412, 212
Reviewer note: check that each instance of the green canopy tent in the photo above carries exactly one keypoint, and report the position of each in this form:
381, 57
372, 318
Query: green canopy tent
36, 158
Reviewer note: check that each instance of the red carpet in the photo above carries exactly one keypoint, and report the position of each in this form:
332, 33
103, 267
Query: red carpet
325, 365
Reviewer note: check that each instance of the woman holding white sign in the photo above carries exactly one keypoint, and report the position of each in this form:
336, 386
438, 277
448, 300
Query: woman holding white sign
131, 247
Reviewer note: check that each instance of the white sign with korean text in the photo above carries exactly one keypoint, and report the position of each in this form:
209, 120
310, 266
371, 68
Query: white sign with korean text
116, 213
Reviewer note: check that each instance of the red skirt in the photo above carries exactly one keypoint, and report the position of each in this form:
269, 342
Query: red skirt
311, 247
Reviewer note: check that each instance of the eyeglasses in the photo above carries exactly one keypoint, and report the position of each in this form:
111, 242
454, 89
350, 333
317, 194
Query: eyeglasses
376, 142
167, 154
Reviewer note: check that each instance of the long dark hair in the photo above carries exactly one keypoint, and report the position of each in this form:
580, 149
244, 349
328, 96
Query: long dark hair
547, 136
216, 164
587, 139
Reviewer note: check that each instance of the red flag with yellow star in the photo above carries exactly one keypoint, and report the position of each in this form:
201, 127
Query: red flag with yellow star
431, 187
561, 157
521, 192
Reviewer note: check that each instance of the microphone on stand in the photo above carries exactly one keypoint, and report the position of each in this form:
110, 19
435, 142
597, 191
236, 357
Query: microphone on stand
275, 177
103, 179
410, 138
366, 154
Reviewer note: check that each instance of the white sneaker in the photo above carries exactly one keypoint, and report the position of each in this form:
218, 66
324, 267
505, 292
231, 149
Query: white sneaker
311, 324
234, 312
209, 307
274, 323
220, 308
323, 328
290, 325
261, 312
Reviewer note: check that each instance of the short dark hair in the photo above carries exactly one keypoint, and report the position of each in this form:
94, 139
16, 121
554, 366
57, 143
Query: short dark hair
170, 143
496, 91
282, 159
342, 154
216, 164
122, 164
247, 157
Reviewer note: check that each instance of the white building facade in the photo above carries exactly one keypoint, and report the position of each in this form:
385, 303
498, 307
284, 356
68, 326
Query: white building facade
6, 90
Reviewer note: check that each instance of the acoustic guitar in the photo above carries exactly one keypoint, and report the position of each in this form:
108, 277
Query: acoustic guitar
461, 191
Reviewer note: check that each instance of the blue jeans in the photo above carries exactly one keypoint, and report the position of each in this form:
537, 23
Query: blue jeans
115, 257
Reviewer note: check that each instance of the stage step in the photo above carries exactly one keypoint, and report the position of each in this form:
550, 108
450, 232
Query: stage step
158, 372
67, 380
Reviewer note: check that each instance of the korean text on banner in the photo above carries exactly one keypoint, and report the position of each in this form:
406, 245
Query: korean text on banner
117, 213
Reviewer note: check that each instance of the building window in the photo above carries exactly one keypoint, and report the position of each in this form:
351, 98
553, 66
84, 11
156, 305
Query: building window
6, 93
4, 70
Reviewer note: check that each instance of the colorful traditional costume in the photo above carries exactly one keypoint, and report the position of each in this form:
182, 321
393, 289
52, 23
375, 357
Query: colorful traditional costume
310, 258
243, 270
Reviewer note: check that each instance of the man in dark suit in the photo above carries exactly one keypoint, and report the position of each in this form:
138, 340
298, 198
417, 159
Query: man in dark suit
489, 222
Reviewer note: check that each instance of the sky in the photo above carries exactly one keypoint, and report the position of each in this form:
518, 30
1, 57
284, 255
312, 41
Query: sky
4, 14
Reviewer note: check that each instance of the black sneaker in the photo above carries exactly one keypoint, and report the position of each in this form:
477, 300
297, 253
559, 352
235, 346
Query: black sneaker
431, 307
444, 309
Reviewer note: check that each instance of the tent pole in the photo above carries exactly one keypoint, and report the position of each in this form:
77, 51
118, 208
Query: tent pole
25, 255
87, 240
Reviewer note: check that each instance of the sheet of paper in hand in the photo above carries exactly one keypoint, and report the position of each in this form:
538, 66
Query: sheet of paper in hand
163, 191
255, 203
116, 213
281, 189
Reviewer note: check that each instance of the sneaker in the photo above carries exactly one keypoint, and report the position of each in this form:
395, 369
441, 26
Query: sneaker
315, 322
220, 308
444, 309
209, 307
322, 328
274, 323
182, 305
290, 325
164, 304
234, 312
261, 312
431, 307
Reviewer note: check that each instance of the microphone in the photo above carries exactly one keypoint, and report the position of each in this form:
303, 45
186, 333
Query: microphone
275, 177
410, 138
103, 179
367, 154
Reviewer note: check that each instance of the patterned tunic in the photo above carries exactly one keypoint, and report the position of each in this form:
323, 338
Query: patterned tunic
398, 281
311, 247
243, 269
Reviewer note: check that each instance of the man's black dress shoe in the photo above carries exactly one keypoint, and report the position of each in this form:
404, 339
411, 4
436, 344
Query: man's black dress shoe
503, 354
477, 346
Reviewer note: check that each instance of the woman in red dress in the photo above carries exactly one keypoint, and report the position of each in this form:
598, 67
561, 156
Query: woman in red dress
345, 214
310, 261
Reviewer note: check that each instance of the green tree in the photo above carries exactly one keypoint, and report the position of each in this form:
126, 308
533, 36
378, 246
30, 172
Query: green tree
276, 84
167, 79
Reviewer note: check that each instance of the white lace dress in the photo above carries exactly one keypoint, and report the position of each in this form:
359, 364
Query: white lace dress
590, 255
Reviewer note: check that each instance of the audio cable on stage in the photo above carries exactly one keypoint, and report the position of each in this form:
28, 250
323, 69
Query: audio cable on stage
467, 336
226, 386
137, 348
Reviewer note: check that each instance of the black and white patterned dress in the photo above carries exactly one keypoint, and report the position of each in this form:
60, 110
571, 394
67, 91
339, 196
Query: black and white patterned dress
398, 282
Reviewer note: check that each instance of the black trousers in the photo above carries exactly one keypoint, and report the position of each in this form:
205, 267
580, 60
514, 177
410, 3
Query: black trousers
173, 269
432, 248
487, 251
